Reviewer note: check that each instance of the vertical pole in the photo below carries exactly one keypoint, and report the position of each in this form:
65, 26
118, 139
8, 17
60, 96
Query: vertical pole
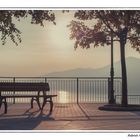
77, 90
112, 100
14, 101
109, 89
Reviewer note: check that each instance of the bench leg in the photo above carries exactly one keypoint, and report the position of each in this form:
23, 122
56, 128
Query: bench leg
32, 102
44, 102
5, 104
3, 101
37, 100
51, 104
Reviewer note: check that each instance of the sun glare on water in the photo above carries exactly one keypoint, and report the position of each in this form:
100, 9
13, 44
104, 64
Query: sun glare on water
63, 97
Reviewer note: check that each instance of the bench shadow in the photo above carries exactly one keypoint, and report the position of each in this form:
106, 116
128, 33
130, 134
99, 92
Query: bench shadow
26, 121
137, 113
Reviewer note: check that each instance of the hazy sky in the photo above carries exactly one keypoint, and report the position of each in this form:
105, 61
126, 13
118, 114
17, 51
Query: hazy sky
49, 49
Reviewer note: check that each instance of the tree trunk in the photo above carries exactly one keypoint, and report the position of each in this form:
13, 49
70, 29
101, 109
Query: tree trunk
124, 74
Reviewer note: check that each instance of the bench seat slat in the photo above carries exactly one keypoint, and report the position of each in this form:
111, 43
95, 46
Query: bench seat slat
27, 96
24, 86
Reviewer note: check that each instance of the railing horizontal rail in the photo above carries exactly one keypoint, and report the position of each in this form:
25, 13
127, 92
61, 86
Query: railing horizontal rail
61, 77
132, 99
128, 95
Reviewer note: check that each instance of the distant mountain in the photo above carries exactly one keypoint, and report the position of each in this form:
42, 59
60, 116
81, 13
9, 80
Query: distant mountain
133, 73
81, 72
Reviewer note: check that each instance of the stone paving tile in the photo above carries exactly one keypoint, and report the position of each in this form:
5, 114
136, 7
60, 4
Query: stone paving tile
67, 117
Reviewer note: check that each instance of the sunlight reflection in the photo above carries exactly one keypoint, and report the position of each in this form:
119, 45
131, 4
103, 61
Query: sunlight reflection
63, 97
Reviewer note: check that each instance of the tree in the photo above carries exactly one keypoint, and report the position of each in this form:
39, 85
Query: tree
8, 28
124, 25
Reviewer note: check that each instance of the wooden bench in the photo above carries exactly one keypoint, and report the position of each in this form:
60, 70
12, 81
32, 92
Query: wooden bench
28, 87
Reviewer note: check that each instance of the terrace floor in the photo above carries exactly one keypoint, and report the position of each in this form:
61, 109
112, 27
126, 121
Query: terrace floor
67, 117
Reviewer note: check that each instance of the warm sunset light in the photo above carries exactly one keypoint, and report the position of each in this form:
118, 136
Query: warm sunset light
70, 70
63, 97
48, 49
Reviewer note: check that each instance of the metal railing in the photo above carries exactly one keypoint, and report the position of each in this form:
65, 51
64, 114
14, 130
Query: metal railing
71, 89
132, 99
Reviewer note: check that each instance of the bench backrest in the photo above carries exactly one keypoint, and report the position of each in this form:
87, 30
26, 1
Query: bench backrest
7, 86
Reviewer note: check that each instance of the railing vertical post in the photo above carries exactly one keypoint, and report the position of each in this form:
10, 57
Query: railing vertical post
45, 79
77, 90
14, 101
